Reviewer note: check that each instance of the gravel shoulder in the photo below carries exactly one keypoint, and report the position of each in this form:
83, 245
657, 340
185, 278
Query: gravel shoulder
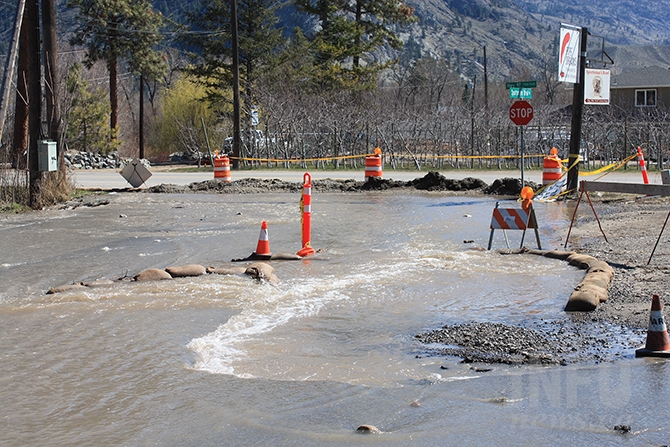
617, 327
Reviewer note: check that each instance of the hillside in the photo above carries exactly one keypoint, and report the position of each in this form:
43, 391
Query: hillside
519, 35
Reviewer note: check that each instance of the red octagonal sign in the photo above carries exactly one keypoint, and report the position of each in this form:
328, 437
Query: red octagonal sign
521, 112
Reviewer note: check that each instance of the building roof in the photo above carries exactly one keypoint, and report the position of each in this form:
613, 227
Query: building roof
648, 77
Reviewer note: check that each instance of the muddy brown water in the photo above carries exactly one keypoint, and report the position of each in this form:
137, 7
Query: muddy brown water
223, 360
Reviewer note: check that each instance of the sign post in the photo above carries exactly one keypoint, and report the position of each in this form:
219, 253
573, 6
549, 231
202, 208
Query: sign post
521, 113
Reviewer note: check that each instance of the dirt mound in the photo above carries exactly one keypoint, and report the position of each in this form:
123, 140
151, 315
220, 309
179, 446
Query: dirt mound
432, 181
508, 187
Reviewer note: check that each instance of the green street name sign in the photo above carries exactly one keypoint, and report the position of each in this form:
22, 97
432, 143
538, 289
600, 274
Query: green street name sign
523, 84
520, 93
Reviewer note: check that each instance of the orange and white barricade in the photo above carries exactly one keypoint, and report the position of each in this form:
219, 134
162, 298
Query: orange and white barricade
514, 219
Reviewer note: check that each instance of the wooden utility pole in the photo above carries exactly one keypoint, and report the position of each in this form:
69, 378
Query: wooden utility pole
576, 125
20, 138
236, 84
32, 22
51, 79
486, 84
141, 115
10, 66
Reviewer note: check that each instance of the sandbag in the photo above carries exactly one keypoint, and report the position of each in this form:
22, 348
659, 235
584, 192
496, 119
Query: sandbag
580, 261
532, 251
65, 288
512, 251
582, 301
100, 283
599, 292
601, 266
182, 271
285, 257
226, 271
152, 275
601, 279
558, 254
260, 270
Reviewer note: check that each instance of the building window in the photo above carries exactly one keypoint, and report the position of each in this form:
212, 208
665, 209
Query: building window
645, 98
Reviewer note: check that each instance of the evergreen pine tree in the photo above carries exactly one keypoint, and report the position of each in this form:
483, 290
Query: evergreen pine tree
121, 29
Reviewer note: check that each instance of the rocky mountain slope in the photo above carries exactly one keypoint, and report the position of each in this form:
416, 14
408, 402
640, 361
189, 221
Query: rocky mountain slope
520, 36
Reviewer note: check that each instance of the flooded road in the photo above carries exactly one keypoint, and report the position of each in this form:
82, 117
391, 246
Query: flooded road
224, 360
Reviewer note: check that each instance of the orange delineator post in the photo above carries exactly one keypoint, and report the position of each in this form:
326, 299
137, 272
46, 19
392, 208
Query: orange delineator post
643, 166
306, 216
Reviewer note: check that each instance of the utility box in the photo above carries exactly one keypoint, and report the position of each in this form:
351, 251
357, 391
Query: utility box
665, 176
46, 156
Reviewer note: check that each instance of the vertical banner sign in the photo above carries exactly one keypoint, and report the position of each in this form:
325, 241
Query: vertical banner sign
254, 116
596, 87
568, 57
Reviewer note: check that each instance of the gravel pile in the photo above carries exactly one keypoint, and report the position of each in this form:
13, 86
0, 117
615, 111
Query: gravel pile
91, 160
493, 342
544, 342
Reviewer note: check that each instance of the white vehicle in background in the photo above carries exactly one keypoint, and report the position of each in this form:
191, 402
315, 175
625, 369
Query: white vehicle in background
258, 140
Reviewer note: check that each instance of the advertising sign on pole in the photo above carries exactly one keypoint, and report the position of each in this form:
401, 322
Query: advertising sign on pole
568, 57
596, 87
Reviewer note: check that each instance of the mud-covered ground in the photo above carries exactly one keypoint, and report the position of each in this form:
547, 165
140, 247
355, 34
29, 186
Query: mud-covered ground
617, 327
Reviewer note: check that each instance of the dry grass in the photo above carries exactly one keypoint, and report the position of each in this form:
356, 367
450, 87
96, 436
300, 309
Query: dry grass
53, 188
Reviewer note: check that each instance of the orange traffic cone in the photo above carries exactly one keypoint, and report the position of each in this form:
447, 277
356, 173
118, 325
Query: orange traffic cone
657, 344
263, 247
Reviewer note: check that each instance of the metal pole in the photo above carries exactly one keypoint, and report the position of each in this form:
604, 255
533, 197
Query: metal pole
209, 149
577, 107
523, 158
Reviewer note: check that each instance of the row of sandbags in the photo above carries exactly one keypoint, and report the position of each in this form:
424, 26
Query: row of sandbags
593, 289
261, 271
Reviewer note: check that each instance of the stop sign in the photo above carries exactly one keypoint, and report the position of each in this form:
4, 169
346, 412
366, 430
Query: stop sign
521, 112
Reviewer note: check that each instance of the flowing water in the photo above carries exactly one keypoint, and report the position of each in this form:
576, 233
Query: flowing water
224, 360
